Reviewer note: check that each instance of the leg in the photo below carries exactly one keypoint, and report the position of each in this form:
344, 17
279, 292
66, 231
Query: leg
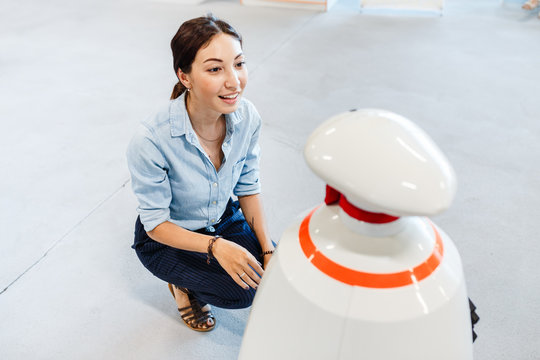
195, 316
218, 288
179, 267
208, 283
171, 265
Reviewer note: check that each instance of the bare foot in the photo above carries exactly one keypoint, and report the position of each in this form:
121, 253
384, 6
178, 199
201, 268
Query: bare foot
182, 301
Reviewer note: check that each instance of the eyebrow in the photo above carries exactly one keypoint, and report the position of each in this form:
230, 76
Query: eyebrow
219, 60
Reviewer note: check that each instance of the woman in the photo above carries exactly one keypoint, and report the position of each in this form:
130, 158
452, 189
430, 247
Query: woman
185, 163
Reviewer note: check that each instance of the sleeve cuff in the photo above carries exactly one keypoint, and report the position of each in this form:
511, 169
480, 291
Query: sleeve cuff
248, 190
152, 218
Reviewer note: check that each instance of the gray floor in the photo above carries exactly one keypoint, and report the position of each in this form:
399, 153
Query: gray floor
76, 77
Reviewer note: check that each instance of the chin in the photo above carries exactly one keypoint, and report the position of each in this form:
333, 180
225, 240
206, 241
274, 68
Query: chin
227, 109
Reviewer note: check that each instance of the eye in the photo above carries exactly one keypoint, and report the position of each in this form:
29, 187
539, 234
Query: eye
241, 64
213, 70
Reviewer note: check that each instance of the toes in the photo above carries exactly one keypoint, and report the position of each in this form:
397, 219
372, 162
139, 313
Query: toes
206, 325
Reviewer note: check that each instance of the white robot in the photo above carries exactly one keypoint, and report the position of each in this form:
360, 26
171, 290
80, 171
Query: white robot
367, 275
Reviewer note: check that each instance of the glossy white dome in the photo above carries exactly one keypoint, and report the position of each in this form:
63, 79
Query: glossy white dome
382, 162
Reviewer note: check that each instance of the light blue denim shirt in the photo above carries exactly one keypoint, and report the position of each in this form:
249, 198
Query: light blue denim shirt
173, 177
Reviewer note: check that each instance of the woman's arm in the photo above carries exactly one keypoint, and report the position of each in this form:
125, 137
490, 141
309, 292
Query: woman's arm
234, 259
177, 237
253, 212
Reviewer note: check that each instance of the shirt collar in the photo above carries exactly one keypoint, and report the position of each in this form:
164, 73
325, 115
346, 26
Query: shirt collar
179, 118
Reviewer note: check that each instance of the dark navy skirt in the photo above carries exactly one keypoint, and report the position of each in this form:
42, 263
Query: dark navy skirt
208, 283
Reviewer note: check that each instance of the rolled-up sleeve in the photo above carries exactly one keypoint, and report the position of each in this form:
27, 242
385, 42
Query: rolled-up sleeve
149, 179
248, 183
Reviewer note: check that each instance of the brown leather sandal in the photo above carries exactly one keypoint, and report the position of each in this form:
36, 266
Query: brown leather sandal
194, 318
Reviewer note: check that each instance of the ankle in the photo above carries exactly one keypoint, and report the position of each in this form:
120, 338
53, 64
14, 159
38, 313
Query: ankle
180, 297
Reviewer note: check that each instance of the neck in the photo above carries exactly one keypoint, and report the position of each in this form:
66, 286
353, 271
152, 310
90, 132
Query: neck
201, 117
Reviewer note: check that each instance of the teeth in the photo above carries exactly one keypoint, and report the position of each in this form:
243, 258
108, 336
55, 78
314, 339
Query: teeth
230, 96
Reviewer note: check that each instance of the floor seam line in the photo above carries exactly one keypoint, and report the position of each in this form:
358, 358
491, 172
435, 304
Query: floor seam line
65, 235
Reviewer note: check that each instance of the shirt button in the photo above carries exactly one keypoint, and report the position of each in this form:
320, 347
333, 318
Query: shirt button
213, 220
214, 202
214, 184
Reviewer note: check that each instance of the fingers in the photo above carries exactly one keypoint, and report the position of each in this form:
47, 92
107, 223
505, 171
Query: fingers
249, 278
238, 279
255, 265
239, 263
251, 274
248, 281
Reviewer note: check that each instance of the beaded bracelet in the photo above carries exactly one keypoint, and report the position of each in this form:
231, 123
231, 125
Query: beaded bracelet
211, 242
267, 253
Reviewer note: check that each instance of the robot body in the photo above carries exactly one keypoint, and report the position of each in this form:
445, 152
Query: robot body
334, 320
367, 275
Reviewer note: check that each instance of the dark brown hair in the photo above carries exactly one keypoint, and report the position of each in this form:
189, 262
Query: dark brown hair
193, 35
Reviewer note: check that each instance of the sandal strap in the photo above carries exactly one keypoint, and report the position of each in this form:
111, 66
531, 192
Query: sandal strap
195, 315
197, 320
189, 313
185, 308
208, 315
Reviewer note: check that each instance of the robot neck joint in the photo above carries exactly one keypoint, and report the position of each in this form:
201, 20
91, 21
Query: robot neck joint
333, 196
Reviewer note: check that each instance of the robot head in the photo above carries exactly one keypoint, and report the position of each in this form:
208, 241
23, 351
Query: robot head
382, 163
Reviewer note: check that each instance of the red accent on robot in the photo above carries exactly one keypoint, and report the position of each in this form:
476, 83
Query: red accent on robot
333, 196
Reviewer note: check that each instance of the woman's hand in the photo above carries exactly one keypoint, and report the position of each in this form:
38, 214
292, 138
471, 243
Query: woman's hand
239, 263
266, 259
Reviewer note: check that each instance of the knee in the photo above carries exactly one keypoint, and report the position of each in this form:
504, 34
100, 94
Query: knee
246, 298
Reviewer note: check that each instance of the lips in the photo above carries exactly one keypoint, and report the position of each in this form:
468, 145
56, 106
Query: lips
232, 96
229, 99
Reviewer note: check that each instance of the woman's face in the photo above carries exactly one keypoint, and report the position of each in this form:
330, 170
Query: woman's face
218, 77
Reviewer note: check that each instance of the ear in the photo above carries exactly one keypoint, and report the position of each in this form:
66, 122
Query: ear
184, 78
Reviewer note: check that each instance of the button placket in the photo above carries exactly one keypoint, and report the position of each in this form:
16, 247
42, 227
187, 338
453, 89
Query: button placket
212, 210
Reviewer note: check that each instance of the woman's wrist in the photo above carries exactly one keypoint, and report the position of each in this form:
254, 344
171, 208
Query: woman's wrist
267, 252
211, 249
267, 248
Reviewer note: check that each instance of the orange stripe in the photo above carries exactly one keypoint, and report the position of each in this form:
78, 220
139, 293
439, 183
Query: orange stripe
370, 280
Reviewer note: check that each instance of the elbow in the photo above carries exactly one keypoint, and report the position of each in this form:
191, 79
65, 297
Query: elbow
153, 234
156, 230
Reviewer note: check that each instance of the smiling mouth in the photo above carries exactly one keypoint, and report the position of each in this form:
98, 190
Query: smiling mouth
229, 97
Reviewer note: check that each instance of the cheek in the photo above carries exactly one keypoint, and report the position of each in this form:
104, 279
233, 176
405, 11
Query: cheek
210, 85
243, 77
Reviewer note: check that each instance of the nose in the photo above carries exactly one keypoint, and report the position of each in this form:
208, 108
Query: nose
233, 80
